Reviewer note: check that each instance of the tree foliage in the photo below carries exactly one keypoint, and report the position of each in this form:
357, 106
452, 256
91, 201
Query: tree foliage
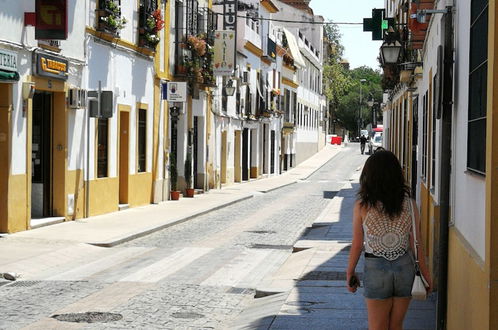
342, 85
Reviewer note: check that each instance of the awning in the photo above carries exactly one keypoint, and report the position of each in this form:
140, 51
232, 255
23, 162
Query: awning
296, 53
9, 76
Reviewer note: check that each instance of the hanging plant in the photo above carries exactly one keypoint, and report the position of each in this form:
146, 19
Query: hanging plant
197, 44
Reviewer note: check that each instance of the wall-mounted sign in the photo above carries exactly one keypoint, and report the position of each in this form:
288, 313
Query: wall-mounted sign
224, 53
8, 60
51, 19
51, 66
230, 14
175, 91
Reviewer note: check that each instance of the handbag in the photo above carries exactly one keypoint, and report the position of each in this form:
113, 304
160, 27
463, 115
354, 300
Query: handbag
419, 287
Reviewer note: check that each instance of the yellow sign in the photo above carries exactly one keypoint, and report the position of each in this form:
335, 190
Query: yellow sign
53, 66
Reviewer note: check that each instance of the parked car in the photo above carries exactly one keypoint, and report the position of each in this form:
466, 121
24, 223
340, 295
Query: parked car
375, 142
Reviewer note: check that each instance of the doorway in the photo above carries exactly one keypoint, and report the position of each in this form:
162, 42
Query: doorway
124, 143
224, 156
41, 156
272, 152
245, 154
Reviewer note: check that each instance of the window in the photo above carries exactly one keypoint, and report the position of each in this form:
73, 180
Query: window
142, 136
424, 135
294, 105
433, 136
287, 105
102, 147
476, 140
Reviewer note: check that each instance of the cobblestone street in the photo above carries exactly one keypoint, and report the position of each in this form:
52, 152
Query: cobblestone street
199, 274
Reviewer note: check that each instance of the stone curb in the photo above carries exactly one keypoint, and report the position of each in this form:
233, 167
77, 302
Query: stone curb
150, 230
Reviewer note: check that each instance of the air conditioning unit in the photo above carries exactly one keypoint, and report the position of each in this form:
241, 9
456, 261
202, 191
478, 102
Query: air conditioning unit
82, 98
74, 98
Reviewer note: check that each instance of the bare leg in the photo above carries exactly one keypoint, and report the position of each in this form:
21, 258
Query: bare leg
398, 312
379, 311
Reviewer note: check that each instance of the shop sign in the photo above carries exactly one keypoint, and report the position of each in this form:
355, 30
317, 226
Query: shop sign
175, 91
224, 53
51, 66
8, 60
51, 19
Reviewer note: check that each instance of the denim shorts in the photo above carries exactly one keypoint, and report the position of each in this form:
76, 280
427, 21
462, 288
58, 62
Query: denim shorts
384, 279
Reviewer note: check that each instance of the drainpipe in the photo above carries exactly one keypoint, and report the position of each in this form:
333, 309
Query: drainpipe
445, 169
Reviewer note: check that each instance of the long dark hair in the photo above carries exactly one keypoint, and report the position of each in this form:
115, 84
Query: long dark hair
382, 181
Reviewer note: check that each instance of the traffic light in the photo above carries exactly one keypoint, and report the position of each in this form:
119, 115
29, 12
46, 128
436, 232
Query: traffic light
377, 24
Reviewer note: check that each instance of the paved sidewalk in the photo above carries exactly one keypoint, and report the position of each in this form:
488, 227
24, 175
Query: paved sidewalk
310, 285
115, 228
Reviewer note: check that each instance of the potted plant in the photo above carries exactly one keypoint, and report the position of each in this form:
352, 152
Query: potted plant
110, 18
173, 173
189, 191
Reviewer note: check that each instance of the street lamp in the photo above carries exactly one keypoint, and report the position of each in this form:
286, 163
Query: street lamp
229, 88
390, 52
371, 104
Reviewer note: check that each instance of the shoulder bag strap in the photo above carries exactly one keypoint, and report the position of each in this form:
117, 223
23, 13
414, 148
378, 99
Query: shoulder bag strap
415, 241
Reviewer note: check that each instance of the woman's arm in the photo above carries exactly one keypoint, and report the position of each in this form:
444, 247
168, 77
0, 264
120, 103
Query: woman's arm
357, 245
420, 251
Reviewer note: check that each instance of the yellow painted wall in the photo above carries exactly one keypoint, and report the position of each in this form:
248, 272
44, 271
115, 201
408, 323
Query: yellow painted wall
104, 195
75, 184
468, 292
140, 189
17, 203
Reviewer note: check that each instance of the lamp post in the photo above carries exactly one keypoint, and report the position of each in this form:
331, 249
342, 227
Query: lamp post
371, 103
359, 110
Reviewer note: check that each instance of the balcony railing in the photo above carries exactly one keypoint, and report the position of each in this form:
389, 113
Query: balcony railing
194, 42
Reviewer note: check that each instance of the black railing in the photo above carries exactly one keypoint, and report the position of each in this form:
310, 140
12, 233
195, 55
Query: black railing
195, 27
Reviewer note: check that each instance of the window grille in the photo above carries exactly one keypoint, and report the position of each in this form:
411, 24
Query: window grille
424, 136
142, 136
102, 147
476, 140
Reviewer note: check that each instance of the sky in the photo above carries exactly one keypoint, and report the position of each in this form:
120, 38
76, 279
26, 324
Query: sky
359, 47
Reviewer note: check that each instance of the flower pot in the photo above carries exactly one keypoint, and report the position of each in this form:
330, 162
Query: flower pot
175, 195
189, 192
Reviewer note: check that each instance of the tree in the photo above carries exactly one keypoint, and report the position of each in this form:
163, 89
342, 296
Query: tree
342, 86
335, 76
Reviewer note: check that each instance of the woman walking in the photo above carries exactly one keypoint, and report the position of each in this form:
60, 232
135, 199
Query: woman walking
382, 224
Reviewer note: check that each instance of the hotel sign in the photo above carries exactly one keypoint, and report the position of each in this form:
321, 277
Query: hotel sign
51, 66
8, 60
224, 53
230, 15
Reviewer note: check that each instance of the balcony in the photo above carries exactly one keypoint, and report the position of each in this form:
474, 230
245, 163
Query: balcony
418, 30
149, 24
109, 18
194, 43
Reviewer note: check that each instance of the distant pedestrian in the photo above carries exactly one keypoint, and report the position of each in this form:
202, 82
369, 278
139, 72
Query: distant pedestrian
382, 224
363, 141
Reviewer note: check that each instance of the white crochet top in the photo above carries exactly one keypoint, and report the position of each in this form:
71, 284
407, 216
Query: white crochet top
385, 236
